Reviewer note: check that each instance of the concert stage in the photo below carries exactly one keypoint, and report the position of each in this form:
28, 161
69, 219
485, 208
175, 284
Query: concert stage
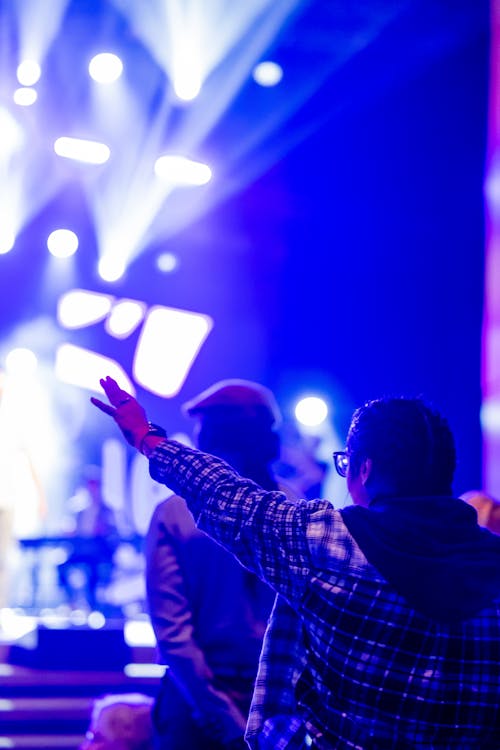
52, 670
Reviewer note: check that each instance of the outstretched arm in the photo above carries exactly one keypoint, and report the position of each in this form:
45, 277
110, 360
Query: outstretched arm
266, 532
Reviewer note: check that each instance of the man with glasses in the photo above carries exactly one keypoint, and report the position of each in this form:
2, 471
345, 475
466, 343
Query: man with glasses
398, 595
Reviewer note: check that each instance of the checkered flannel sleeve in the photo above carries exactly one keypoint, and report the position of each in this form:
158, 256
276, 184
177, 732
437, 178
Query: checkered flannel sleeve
274, 723
264, 530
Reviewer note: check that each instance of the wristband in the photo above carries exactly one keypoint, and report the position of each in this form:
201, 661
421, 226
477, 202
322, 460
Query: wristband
153, 430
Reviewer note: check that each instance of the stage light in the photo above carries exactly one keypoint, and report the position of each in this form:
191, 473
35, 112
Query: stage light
79, 308
187, 89
191, 42
193, 39
168, 344
187, 79
177, 170
12, 135
21, 362
105, 68
90, 152
267, 73
28, 72
14, 627
144, 670
84, 368
124, 318
53, 620
25, 97
139, 633
490, 415
492, 187
96, 620
62, 243
166, 262
111, 268
7, 240
311, 411
78, 617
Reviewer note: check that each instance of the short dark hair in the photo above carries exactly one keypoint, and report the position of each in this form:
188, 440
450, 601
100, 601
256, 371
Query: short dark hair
411, 447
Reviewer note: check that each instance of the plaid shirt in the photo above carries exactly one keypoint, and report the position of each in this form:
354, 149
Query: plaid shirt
379, 675
274, 723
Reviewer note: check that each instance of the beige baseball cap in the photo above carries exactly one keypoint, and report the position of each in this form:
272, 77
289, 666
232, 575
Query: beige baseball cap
234, 392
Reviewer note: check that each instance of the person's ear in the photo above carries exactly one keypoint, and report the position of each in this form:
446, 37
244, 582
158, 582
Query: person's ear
365, 470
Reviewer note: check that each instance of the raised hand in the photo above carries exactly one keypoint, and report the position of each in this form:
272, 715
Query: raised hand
125, 410
117, 397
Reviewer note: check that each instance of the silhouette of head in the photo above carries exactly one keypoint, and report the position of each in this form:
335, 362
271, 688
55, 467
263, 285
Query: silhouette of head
400, 447
236, 421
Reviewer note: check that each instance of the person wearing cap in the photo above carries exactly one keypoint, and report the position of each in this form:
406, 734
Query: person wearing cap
209, 614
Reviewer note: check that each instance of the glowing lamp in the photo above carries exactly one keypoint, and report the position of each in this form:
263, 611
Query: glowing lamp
62, 243
311, 411
28, 72
168, 344
105, 68
80, 308
124, 318
187, 87
490, 415
166, 262
111, 268
267, 73
25, 97
91, 152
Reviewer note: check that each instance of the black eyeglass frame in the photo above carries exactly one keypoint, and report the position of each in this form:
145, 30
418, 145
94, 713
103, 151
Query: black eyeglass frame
341, 462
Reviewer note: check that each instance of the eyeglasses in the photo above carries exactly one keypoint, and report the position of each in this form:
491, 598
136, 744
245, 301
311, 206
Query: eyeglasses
341, 461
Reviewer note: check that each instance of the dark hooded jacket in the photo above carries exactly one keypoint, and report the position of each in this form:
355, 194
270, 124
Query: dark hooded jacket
432, 551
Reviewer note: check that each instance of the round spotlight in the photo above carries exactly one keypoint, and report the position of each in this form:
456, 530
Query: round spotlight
105, 68
166, 262
311, 411
62, 243
96, 620
187, 88
111, 269
267, 73
28, 72
21, 362
25, 97
7, 240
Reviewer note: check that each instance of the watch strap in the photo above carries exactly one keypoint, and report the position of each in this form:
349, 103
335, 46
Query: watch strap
154, 430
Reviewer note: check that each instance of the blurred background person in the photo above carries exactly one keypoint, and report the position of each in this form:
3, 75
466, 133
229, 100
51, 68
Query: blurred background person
209, 614
93, 525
